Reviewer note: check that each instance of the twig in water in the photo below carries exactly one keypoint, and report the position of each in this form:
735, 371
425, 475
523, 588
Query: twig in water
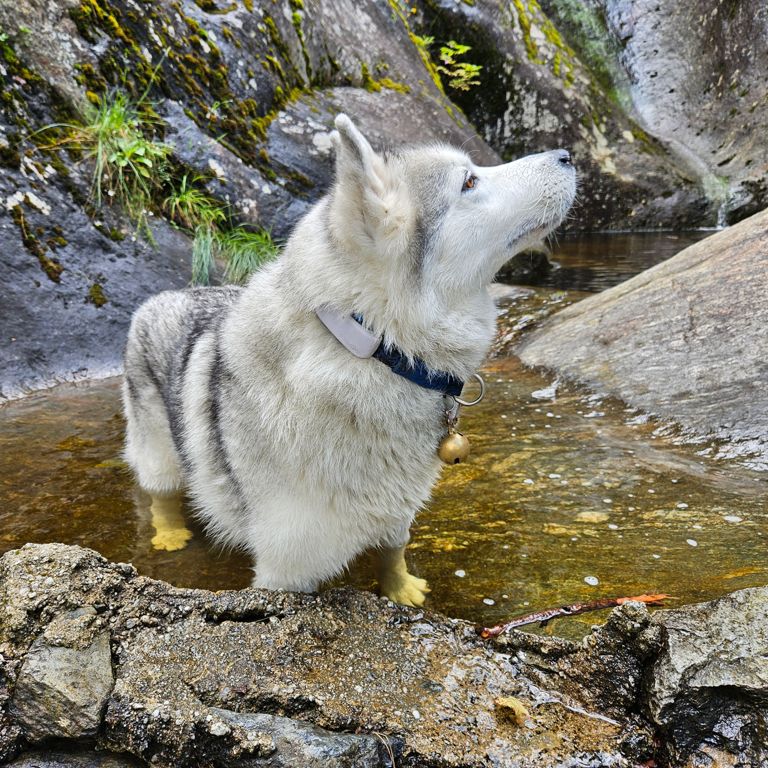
543, 617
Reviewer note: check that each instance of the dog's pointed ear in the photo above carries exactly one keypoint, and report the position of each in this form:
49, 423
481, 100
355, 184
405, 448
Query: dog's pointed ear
355, 156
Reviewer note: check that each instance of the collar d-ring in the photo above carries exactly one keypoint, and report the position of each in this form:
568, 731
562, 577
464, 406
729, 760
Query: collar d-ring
468, 403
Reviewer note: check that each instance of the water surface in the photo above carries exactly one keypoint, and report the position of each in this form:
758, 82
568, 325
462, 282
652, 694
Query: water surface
564, 498
600, 260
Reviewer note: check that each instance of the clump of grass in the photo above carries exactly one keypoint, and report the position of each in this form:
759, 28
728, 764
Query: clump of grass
201, 215
133, 169
130, 167
243, 249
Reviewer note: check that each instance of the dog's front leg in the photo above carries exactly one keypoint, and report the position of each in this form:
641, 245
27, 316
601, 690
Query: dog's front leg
394, 580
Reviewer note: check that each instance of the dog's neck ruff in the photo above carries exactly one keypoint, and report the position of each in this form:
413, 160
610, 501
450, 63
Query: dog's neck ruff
351, 332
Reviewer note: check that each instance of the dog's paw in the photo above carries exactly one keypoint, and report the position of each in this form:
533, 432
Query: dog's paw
171, 539
405, 589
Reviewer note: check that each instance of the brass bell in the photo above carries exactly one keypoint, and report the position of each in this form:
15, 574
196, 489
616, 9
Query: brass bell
454, 448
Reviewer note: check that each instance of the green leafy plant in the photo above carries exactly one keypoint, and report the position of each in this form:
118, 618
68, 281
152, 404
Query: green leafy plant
133, 169
130, 168
462, 75
201, 215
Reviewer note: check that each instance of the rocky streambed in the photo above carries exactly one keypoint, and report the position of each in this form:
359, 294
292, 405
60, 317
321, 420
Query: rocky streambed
96, 657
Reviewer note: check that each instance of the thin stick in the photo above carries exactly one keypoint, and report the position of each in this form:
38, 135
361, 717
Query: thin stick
543, 617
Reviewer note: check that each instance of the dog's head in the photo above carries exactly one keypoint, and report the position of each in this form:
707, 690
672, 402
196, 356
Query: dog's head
443, 219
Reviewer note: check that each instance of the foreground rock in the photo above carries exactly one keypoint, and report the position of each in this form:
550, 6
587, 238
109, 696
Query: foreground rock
259, 678
684, 340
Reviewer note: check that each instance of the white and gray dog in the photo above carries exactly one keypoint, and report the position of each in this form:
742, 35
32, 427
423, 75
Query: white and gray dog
292, 446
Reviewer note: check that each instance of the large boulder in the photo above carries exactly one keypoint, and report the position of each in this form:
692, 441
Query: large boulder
344, 678
685, 340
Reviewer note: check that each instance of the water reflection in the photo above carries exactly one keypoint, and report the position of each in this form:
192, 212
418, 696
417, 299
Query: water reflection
594, 262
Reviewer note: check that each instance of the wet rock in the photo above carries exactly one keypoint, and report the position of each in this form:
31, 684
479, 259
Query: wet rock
697, 80
257, 677
684, 340
344, 678
283, 743
65, 680
536, 94
60, 758
707, 690
71, 280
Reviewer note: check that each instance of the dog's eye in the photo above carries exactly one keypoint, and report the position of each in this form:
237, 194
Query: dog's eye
469, 183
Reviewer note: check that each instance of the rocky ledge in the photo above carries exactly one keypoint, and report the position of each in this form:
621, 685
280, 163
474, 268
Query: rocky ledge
101, 666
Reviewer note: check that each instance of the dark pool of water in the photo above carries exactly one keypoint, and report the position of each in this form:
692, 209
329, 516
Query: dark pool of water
594, 262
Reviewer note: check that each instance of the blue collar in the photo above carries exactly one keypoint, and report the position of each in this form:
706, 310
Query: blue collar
417, 371
351, 332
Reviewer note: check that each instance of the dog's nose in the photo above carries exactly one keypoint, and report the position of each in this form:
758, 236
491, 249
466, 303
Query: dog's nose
563, 156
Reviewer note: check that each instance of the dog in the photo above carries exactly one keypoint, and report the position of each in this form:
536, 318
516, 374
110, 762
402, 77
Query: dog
291, 441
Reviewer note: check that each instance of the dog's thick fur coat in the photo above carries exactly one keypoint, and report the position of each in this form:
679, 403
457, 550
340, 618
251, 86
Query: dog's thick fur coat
289, 445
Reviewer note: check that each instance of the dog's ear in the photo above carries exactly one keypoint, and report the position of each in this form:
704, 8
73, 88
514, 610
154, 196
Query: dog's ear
355, 157
365, 184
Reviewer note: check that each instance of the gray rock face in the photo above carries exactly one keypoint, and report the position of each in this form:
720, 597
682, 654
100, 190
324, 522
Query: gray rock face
684, 340
65, 680
257, 678
537, 94
697, 79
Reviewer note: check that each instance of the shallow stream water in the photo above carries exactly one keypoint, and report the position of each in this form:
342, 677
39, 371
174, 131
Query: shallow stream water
566, 497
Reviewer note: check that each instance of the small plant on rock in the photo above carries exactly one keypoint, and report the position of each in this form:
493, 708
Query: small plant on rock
462, 75
243, 249
129, 167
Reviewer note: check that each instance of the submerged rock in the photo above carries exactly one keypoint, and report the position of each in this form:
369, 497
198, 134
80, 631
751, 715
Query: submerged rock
684, 340
344, 678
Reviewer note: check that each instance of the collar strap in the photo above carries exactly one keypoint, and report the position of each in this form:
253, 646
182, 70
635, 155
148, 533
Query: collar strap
351, 332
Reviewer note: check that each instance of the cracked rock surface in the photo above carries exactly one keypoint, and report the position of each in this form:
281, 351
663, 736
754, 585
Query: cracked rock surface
259, 678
